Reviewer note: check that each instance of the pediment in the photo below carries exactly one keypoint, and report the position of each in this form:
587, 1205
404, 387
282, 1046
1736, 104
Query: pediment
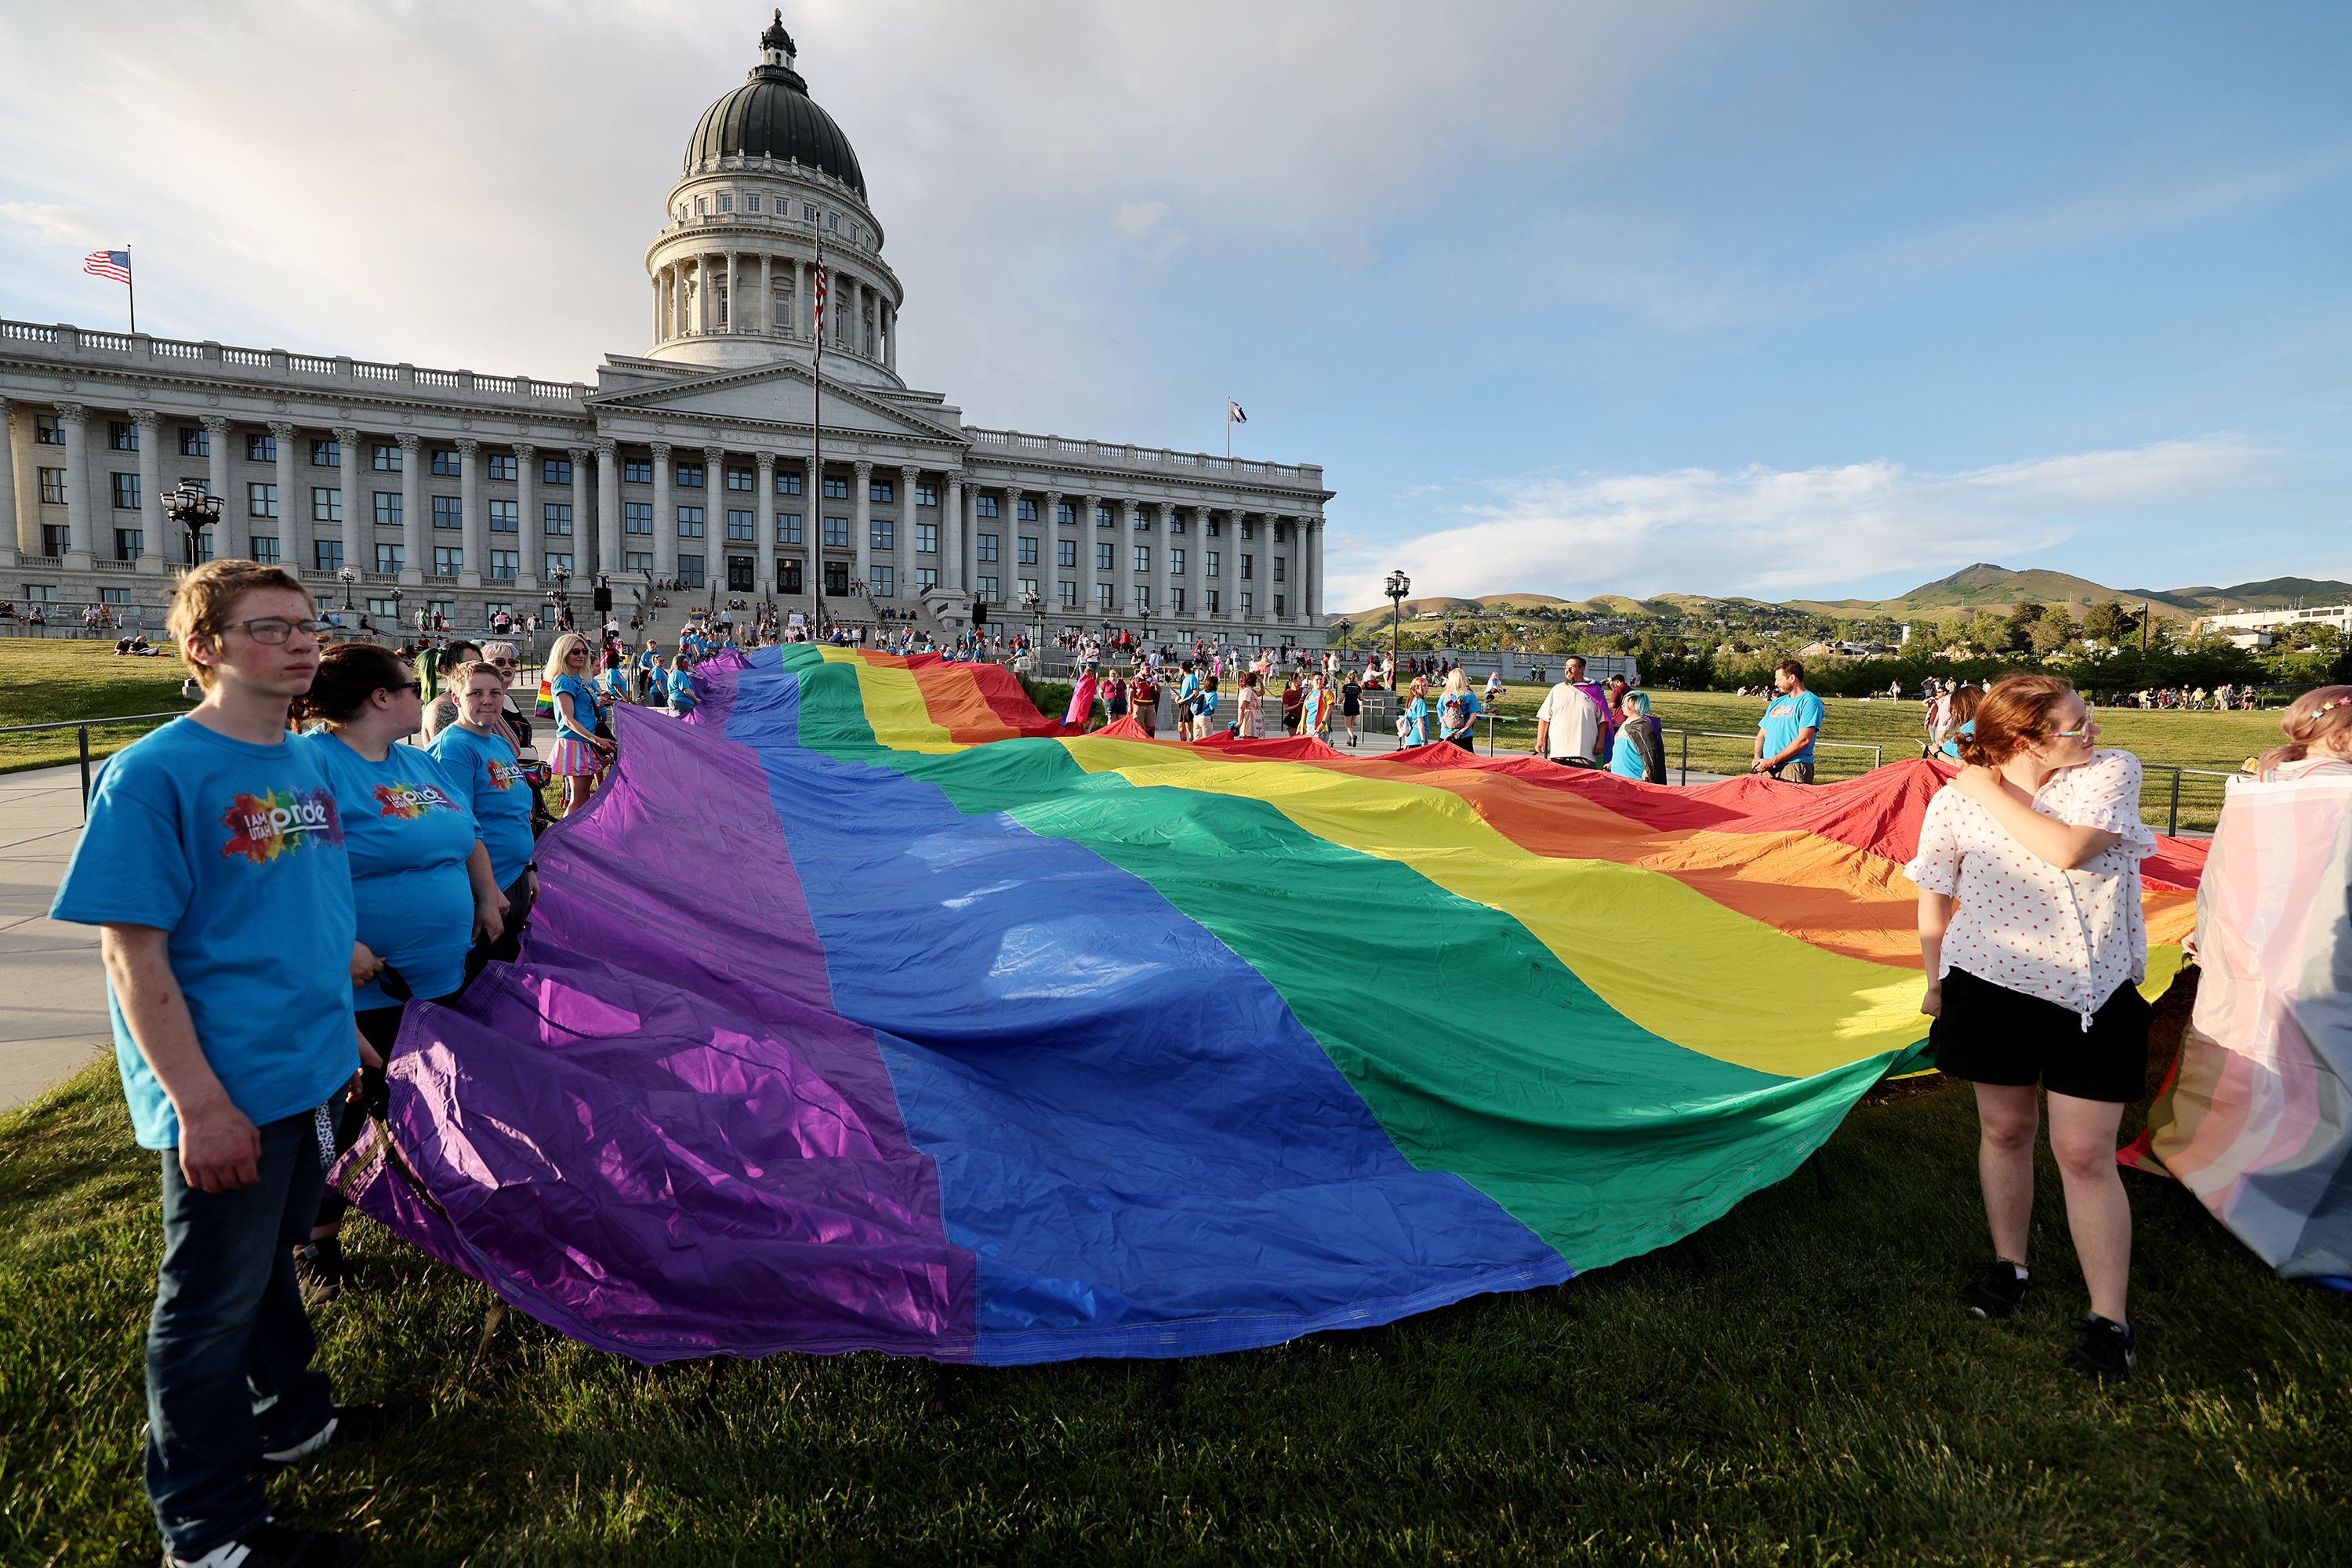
775, 395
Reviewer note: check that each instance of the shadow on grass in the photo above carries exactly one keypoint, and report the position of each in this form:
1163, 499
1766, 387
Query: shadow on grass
1793, 1384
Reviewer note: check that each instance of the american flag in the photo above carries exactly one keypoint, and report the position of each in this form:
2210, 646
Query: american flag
1234, 415
823, 288
114, 264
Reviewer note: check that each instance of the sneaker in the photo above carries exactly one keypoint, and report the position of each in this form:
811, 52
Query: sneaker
319, 1270
2106, 1349
275, 1546
2001, 1292
352, 1424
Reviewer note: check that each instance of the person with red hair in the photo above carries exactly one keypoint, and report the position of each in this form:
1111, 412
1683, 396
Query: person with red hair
2030, 927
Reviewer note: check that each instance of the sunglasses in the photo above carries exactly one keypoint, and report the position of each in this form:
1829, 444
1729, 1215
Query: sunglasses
415, 685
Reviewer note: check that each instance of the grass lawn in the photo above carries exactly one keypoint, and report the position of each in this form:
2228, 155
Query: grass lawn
43, 680
1793, 1385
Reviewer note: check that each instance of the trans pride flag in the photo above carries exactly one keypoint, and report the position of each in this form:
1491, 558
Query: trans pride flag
869, 1009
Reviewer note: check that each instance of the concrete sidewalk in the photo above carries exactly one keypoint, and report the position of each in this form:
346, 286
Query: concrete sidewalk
53, 1021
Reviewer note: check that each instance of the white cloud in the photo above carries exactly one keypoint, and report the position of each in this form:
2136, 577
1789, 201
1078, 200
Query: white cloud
1773, 533
53, 224
1137, 219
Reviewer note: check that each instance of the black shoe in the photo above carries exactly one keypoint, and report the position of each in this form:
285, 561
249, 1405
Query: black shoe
352, 1424
2001, 1292
2107, 1350
275, 1546
319, 1269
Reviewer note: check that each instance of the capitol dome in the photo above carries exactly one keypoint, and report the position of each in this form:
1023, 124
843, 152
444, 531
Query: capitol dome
772, 115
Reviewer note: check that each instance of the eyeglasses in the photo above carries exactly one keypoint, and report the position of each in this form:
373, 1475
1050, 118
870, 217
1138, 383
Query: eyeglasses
415, 685
2082, 734
270, 630
502, 664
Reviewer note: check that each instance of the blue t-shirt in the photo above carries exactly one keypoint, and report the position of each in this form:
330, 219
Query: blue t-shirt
410, 827
681, 691
1786, 718
1623, 760
583, 707
237, 851
500, 795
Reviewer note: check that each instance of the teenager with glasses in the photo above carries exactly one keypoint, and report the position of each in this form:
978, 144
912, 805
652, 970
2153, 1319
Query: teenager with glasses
215, 864
2030, 927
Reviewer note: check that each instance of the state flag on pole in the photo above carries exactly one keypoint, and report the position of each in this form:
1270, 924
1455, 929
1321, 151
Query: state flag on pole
114, 264
1234, 415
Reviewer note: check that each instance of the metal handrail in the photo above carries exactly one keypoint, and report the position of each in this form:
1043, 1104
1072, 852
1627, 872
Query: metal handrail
85, 726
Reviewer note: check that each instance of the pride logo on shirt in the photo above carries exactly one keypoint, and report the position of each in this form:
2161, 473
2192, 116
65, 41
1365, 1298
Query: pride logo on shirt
504, 775
264, 827
408, 802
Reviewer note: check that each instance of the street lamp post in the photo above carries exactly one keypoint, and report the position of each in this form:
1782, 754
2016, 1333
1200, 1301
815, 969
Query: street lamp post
189, 506
1033, 605
1396, 588
1343, 628
347, 576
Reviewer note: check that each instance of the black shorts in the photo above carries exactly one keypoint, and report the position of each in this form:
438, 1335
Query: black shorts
1989, 1034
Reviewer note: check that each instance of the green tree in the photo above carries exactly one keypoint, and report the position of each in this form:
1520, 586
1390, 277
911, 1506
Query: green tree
2110, 623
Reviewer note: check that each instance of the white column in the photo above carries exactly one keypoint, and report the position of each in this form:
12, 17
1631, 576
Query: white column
1197, 566
1049, 547
800, 298
293, 508
413, 554
955, 541
890, 343
526, 514
1314, 599
1122, 559
734, 293
226, 540
861, 521
22, 507
767, 316
470, 512
656, 281
908, 515
665, 515
1089, 557
152, 518
73, 420
607, 557
582, 461
713, 543
763, 474
358, 521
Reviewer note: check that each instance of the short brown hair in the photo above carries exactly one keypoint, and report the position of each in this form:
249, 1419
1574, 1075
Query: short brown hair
2014, 714
349, 674
207, 595
2308, 720
1794, 666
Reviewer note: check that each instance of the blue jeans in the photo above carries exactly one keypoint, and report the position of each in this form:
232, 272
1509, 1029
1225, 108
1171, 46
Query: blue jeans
229, 1346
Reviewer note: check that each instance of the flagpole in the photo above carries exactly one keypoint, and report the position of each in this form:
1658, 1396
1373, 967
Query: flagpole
127, 275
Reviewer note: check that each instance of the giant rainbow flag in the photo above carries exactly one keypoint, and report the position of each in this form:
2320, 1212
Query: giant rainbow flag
870, 1010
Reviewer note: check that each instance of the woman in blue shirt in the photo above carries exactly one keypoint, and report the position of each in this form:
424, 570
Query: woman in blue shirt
682, 700
581, 753
478, 752
1416, 718
421, 879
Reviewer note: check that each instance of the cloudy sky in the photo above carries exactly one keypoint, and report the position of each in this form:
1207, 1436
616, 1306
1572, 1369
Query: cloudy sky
1784, 299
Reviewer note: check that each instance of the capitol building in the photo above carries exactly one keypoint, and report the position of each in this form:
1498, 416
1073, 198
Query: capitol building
701, 460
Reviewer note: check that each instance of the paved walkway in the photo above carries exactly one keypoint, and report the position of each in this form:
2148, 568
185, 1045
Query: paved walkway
55, 1019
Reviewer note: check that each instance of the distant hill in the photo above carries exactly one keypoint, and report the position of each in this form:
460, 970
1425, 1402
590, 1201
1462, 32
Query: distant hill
1983, 586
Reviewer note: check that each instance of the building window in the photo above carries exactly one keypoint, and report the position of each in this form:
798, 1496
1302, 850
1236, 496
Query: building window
836, 530
1249, 603
1279, 600
1214, 608
261, 448
555, 518
448, 512
558, 561
386, 459
689, 570
499, 607
926, 539
808, 215
1065, 553
988, 590
326, 454
384, 608
1103, 517
1175, 523
726, 204
1068, 594
637, 516
984, 506
743, 525
883, 532
503, 468
637, 561
1175, 601
881, 489
449, 560
1213, 528
264, 550
741, 479
122, 435
1028, 551
326, 505
1277, 571
836, 578
926, 578
1106, 595
1024, 512
506, 564
688, 476
129, 542
327, 554
689, 522
1063, 512
195, 441
47, 432
1212, 567
927, 495
1143, 558
984, 546
1027, 585
788, 528
885, 582
390, 559
1175, 562
447, 609
56, 538
114, 595
53, 487
836, 490
1249, 564
1103, 557
1249, 530
506, 517
789, 577
787, 484
126, 492
261, 501
445, 461
637, 470
1143, 595
555, 471
1143, 519
751, 204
